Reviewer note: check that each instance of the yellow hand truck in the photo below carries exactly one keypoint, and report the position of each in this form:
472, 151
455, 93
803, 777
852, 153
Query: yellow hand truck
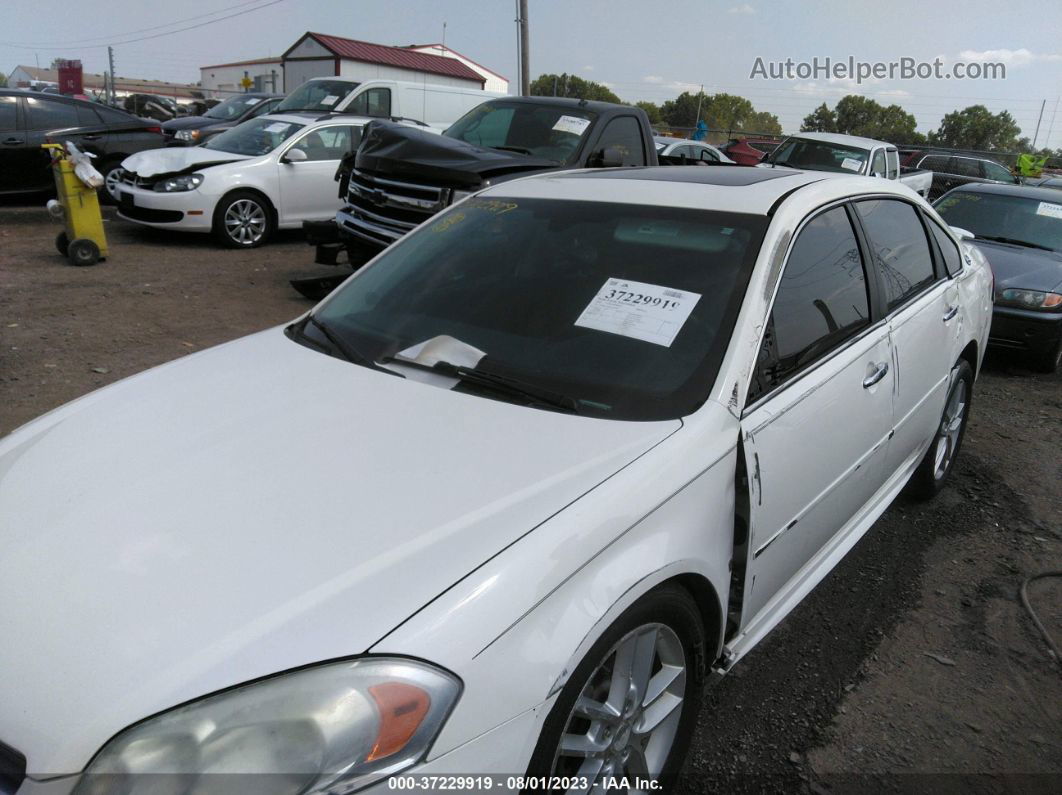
83, 241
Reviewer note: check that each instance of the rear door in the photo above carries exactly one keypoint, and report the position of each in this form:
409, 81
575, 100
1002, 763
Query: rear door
820, 407
924, 320
308, 189
47, 120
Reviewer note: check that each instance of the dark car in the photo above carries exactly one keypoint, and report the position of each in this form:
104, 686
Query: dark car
749, 151
1019, 230
192, 130
951, 171
29, 119
1047, 181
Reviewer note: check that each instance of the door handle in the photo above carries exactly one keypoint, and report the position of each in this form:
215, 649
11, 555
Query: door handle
877, 375
952, 312
14, 141
93, 137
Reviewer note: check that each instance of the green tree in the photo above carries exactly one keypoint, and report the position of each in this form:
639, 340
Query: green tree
762, 122
652, 110
3, 80
857, 115
727, 111
976, 127
566, 85
822, 119
719, 112
682, 110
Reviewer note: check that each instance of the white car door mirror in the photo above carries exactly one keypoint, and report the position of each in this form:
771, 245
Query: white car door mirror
963, 234
294, 155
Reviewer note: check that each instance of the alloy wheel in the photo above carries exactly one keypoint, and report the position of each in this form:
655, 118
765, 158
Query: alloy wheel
950, 430
112, 181
625, 720
245, 221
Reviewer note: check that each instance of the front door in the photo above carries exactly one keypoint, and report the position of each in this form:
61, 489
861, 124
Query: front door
12, 147
308, 190
817, 426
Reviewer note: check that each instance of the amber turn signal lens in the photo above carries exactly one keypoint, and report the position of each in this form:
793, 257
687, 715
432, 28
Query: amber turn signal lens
402, 707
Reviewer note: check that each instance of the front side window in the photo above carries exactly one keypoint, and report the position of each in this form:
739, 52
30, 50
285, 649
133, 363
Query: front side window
47, 114
318, 95
821, 301
326, 143
549, 132
626, 309
254, 137
898, 246
997, 172
625, 135
375, 102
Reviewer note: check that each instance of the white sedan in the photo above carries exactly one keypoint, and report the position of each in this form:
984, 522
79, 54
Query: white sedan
695, 151
499, 505
269, 173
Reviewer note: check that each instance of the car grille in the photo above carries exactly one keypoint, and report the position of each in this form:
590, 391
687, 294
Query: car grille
12, 770
393, 205
137, 182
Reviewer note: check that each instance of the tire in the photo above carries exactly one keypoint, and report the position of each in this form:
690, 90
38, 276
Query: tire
112, 172
933, 472
1048, 361
243, 219
62, 243
609, 724
83, 252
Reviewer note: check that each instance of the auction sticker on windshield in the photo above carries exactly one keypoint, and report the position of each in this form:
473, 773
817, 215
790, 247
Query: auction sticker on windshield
571, 124
1049, 209
851, 164
646, 312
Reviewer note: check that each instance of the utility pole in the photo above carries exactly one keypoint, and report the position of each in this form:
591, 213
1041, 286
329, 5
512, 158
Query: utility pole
1051, 126
700, 96
525, 47
110, 60
1037, 133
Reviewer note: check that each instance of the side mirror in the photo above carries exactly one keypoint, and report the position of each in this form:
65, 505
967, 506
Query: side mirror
963, 234
609, 157
294, 155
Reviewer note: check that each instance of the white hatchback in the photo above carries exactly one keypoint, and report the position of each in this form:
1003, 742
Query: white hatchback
269, 173
499, 505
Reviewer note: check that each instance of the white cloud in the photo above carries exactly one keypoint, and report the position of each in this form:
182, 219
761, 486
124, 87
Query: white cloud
588, 68
1022, 57
744, 9
654, 79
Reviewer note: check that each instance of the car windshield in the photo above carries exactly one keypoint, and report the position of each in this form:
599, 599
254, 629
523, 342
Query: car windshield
820, 156
552, 133
625, 309
322, 95
1015, 219
254, 137
232, 108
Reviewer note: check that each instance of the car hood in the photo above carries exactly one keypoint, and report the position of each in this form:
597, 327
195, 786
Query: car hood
401, 150
188, 123
246, 510
1023, 267
176, 160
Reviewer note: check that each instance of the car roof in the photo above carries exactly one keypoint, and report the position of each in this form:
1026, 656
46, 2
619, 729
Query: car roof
841, 140
1020, 191
667, 139
311, 117
728, 188
578, 104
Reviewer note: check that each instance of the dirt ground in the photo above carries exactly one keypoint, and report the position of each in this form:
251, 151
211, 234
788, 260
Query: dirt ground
912, 668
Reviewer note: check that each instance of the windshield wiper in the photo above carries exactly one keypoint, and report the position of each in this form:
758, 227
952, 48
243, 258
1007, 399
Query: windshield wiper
345, 349
505, 384
1013, 242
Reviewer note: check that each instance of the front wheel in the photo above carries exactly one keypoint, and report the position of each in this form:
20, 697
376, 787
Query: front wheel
112, 182
630, 707
1048, 361
243, 220
931, 474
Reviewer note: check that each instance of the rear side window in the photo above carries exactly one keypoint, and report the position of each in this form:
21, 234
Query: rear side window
965, 167
112, 116
625, 134
898, 246
893, 161
8, 106
934, 163
87, 116
821, 302
952, 259
708, 156
877, 167
47, 114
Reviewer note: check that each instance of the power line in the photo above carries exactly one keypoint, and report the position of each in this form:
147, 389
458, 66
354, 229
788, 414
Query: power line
143, 38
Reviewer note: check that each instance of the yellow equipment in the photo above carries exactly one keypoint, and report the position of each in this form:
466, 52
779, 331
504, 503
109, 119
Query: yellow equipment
83, 241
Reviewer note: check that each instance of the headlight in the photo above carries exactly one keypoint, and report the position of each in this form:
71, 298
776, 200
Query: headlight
330, 728
181, 183
187, 135
1030, 299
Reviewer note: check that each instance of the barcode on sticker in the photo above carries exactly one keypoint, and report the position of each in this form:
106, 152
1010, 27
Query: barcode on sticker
673, 294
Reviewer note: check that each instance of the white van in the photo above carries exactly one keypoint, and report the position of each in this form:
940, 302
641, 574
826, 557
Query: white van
436, 105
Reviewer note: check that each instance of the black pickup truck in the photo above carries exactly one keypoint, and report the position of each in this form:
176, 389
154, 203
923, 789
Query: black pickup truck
403, 176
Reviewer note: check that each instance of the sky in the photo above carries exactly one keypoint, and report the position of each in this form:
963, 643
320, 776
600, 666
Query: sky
641, 50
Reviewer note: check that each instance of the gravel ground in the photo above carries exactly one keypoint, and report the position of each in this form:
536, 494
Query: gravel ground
911, 668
